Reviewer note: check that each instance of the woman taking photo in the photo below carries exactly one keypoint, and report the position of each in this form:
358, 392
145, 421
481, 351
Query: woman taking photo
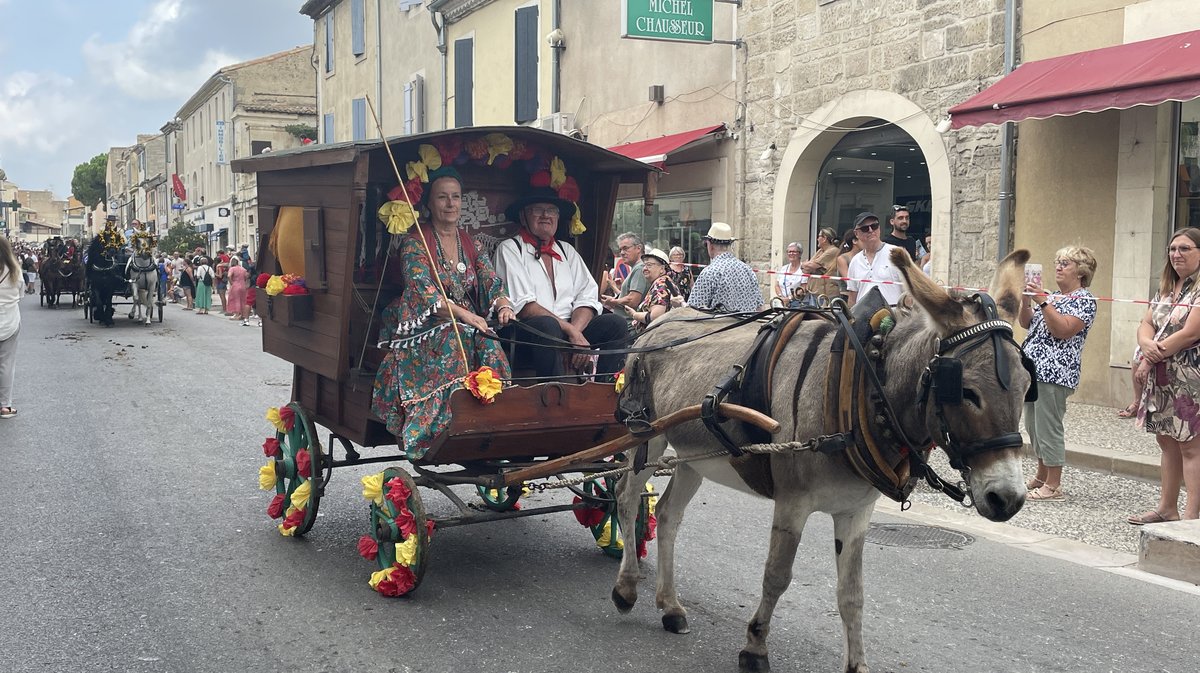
1058, 323
657, 300
426, 355
11, 288
1169, 373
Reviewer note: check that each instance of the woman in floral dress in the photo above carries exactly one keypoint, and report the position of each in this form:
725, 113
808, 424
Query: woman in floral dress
657, 300
425, 365
680, 273
1168, 369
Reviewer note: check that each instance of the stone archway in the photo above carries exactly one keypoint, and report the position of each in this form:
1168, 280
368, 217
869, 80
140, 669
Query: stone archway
807, 149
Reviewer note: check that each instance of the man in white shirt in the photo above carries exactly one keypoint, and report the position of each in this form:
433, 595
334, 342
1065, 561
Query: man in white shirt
553, 292
873, 266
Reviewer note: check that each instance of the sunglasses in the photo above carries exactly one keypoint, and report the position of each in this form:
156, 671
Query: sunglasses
899, 208
867, 227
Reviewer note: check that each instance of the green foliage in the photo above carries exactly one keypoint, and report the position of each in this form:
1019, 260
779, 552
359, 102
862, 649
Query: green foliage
88, 185
302, 131
181, 237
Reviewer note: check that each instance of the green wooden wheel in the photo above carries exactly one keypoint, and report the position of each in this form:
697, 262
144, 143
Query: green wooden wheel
297, 462
606, 529
499, 500
405, 550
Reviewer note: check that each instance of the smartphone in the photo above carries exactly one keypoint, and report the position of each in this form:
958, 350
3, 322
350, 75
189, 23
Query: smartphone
1033, 274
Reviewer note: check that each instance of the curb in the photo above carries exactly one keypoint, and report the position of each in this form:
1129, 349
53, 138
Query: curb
1118, 463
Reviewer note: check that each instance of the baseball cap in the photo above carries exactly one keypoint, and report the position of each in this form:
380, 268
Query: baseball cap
863, 217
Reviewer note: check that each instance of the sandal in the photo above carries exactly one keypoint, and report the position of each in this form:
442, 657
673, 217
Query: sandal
1046, 493
8, 412
1034, 484
1129, 411
1153, 516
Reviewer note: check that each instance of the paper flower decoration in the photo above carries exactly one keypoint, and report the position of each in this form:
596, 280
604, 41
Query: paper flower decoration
497, 144
558, 173
271, 448
577, 228
275, 509
373, 488
301, 495
569, 190
304, 463
394, 581
406, 552
266, 476
287, 416
620, 381
262, 279
483, 384
368, 548
398, 216
275, 285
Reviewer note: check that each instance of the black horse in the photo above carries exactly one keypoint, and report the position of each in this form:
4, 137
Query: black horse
106, 277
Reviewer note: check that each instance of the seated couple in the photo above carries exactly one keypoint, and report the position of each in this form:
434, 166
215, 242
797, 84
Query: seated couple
550, 289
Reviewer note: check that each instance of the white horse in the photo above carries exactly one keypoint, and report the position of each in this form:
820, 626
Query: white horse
142, 272
950, 374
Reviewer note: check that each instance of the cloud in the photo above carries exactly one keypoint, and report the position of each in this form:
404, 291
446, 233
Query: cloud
140, 65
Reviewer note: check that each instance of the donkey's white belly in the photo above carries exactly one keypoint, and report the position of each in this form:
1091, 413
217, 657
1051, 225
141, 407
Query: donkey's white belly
719, 470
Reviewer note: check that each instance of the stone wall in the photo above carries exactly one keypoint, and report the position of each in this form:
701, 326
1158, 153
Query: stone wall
800, 55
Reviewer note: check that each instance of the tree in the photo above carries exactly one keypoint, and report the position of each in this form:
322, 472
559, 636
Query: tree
181, 237
88, 184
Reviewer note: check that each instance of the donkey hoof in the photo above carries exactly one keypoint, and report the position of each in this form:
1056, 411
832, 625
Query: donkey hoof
620, 601
676, 624
748, 662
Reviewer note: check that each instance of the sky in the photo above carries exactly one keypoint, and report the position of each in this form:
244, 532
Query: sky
80, 76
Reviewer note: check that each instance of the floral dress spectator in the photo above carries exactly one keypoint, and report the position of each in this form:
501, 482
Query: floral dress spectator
680, 273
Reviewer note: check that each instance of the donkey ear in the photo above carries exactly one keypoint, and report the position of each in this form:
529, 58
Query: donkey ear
1008, 284
941, 307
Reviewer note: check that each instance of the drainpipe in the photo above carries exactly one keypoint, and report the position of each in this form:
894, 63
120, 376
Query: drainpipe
379, 63
439, 24
1008, 141
556, 68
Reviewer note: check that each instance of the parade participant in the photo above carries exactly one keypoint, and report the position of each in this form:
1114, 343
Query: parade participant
1057, 330
553, 292
727, 284
873, 264
657, 300
428, 350
1169, 373
898, 236
10, 324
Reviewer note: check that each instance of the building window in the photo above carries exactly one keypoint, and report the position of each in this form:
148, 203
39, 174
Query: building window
358, 27
1187, 184
358, 119
676, 220
464, 82
526, 59
257, 147
329, 42
327, 128
414, 105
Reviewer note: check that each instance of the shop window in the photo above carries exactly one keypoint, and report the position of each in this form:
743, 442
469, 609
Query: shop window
1187, 184
675, 220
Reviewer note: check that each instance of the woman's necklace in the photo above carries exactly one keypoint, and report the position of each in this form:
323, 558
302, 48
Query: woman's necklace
456, 288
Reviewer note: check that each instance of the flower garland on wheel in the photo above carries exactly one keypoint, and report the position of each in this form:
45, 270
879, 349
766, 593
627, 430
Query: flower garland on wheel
396, 514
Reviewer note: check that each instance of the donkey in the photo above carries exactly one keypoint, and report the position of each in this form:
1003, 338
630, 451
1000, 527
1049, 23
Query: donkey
142, 272
979, 432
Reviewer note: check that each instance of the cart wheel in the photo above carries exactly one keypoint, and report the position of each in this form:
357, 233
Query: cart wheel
401, 558
301, 438
605, 524
499, 500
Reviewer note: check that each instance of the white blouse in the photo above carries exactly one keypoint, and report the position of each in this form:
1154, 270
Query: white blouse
526, 279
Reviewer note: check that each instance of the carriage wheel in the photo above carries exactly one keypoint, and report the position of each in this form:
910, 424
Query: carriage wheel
299, 452
399, 536
604, 522
499, 500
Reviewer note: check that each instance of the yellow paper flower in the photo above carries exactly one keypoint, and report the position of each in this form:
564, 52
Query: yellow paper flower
301, 495
381, 575
558, 173
417, 169
406, 552
373, 488
606, 536
275, 420
266, 476
652, 501
497, 144
287, 531
398, 216
620, 382
577, 228
430, 157
275, 285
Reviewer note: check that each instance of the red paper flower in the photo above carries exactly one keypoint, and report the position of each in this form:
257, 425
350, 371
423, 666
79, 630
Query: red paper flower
588, 516
396, 194
275, 509
415, 190
503, 162
398, 492
304, 463
271, 448
540, 179
477, 149
449, 148
288, 416
484, 384
569, 190
401, 582
651, 527
429, 526
262, 279
367, 548
521, 151
295, 519
406, 523
295, 289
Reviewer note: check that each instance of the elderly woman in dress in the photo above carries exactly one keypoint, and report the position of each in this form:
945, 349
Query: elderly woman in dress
1058, 323
679, 272
657, 299
1169, 373
426, 354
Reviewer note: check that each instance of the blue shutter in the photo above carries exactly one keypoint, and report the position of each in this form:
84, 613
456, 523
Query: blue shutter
526, 76
329, 42
464, 82
358, 27
359, 118
327, 135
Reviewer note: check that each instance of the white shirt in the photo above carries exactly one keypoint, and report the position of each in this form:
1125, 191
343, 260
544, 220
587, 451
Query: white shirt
864, 272
11, 290
526, 279
788, 280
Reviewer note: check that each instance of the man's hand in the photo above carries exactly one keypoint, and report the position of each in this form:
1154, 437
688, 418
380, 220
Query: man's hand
575, 336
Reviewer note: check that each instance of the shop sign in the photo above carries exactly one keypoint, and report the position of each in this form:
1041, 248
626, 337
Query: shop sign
220, 141
674, 20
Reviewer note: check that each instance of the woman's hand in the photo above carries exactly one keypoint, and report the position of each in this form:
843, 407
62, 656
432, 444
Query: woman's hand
474, 321
1142, 372
1038, 294
1154, 352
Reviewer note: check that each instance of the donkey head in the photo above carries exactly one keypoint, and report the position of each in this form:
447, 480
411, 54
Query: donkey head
973, 381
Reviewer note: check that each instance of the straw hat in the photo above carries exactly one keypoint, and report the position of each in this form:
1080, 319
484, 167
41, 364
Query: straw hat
720, 232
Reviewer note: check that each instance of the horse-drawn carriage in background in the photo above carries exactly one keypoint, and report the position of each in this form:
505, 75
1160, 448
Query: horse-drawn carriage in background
116, 268
61, 271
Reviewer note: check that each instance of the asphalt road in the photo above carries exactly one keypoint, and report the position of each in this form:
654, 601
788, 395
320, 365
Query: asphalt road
135, 539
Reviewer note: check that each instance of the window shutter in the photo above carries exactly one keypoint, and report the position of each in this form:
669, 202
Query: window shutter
526, 76
358, 27
328, 130
464, 82
418, 85
329, 42
314, 250
409, 104
359, 119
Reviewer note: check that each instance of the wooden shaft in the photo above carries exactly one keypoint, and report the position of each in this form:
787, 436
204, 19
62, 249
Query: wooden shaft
611, 447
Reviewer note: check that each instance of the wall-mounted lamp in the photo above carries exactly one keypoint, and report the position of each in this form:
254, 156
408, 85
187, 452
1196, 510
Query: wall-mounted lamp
943, 125
767, 153
556, 39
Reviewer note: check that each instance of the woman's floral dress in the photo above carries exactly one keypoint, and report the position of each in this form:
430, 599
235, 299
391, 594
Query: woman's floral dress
415, 380
1170, 408
682, 279
658, 294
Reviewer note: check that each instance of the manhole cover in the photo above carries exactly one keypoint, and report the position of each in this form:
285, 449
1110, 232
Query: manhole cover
915, 536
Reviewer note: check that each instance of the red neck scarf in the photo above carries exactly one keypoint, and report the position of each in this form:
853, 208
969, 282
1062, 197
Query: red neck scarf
543, 247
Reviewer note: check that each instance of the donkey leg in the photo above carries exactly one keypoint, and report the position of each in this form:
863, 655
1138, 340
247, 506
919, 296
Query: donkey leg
678, 494
629, 500
786, 528
850, 532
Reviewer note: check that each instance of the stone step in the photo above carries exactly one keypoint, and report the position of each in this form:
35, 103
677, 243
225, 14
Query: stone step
1171, 549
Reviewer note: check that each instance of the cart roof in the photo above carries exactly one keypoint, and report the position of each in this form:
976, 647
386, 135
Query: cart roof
598, 159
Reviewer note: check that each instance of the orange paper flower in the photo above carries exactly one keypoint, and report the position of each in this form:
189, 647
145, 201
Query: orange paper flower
483, 384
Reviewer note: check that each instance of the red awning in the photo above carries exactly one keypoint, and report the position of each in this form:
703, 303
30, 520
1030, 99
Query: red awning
655, 150
1120, 77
